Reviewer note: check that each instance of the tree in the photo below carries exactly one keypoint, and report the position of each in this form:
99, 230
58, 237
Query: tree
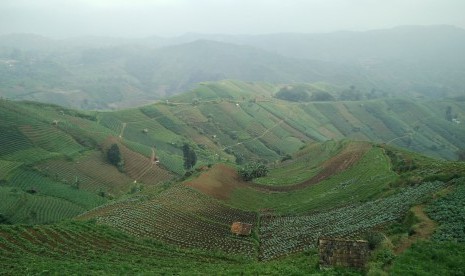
294, 94
114, 157
253, 170
321, 96
351, 94
449, 113
190, 158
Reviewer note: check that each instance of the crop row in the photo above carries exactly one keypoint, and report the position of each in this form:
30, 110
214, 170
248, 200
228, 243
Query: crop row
284, 235
182, 217
24, 248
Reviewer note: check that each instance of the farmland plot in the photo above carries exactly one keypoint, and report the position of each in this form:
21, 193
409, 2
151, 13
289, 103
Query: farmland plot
282, 235
182, 217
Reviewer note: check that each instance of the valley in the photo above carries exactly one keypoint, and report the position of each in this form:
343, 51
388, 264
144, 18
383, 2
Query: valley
346, 169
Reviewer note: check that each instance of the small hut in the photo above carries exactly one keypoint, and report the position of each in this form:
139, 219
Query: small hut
343, 253
241, 228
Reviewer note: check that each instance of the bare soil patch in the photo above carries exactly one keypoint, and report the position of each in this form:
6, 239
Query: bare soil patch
219, 181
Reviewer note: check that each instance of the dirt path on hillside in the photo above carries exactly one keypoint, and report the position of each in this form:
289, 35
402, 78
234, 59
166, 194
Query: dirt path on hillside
337, 164
122, 130
423, 229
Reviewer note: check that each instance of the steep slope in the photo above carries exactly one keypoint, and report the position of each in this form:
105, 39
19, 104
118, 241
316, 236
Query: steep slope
53, 167
368, 193
53, 164
242, 121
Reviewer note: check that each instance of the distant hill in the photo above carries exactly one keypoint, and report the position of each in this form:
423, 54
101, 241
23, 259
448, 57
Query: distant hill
106, 73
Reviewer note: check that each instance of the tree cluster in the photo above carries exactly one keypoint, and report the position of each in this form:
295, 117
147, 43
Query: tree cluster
114, 157
190, 158
253, 170
293, 94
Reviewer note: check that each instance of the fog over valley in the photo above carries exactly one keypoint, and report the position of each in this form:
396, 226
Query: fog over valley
232, 137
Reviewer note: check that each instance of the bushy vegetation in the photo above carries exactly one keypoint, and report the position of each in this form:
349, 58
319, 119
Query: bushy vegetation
253, 170
114, 157
293, 94
430, 258
190, 157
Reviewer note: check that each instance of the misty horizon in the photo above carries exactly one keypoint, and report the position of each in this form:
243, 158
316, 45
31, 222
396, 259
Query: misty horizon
143, 18
206, 34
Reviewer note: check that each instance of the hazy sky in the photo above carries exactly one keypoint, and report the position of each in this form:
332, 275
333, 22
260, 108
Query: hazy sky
137, 18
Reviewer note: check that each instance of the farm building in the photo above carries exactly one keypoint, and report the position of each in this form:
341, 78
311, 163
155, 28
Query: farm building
241, 228
343, 253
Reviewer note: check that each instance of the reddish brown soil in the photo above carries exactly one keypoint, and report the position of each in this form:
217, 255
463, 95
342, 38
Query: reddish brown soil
348, 157
219, 181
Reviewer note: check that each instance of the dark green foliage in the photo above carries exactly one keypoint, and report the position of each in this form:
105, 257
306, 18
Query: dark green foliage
3, 219
449, 113
385, 257
351, 94
190, 158
321, 96
293, 94
114, 157
374, 239
400, 162
253, 170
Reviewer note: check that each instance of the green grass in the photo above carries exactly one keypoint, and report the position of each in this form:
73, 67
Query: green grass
303, 165
19, 207
26, 180
431, 258
364, 181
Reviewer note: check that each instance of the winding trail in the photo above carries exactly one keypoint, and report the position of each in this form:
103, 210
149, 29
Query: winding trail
401, 137
423, 229
151, 164
122, 130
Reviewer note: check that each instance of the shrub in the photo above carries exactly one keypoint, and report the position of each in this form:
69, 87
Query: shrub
294, 94
190, 158
253, 170
114, 157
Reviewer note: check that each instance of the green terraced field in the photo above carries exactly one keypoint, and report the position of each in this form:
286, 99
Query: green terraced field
335, 169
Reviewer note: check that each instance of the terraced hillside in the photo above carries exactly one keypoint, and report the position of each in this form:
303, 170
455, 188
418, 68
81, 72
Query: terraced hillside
351, 200
245, 121
53, 164
227, 121
54, 167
